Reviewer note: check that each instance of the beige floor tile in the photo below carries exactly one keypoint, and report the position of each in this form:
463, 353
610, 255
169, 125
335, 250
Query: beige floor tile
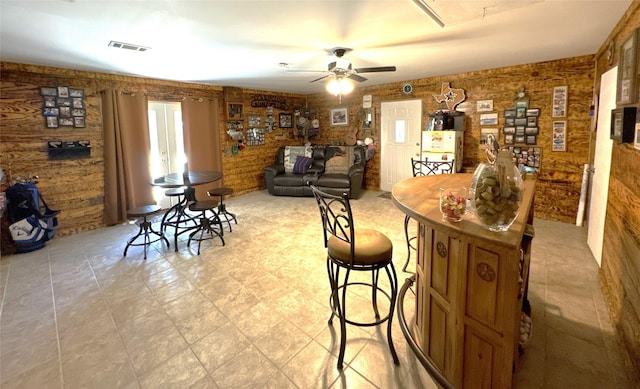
201, 324
16, 333
30, 354
248, 368
151, 339
45, 375
130, 308
220, 346
103, 363
312, 367
282, 342
181, 371
188, 305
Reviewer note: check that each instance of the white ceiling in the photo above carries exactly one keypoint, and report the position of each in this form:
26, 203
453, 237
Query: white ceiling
241, 43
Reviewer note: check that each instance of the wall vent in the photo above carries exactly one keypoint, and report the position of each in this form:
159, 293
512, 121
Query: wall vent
128, 46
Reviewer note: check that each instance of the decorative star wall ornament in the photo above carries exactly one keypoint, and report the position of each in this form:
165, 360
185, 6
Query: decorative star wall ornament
450, 96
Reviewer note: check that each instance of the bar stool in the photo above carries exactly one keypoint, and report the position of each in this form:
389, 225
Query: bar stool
173, 211
145, 227
222, 209
352, 249
206, 224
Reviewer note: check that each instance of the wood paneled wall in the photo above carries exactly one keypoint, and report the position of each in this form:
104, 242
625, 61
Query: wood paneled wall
559, 181
76, 186
620, 270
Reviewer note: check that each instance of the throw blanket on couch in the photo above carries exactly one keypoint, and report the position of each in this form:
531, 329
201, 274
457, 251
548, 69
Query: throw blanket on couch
340, 159
291, 154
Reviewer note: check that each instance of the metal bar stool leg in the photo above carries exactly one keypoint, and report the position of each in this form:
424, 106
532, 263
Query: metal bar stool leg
146, 228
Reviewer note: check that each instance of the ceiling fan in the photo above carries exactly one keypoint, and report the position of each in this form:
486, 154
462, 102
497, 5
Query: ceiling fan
342, 68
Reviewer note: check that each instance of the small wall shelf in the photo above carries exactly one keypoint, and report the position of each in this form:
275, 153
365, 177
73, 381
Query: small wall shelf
75, 149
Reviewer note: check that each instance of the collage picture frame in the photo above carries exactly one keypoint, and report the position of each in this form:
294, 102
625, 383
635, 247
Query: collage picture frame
521, 125
63, 107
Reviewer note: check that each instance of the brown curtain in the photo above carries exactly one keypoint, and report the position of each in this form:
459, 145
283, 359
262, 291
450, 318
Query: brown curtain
202, 139
126, 154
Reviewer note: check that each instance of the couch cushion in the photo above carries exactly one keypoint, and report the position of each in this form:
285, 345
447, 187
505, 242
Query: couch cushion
289, 179
340, 160
291, 153
302, 164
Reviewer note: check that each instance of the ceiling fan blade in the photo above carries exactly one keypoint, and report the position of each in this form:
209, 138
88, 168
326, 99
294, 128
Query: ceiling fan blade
321, 78
376, 69
356, 77
305, 71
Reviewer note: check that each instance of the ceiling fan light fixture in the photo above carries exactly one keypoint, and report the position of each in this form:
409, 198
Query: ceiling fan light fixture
429, 11
339, 86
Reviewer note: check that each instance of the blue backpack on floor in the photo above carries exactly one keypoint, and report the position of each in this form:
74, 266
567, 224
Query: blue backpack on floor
32, 223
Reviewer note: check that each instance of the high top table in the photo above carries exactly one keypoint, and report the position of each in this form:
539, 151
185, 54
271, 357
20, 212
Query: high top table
177, 180
470, 285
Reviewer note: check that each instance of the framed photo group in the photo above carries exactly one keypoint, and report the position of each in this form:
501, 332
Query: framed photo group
521, 125
63, 107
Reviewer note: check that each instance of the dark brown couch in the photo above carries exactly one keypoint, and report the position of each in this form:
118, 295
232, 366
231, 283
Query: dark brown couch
334, 169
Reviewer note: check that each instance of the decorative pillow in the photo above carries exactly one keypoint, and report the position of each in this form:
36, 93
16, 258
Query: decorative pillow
291, 153
302, 164
341, 161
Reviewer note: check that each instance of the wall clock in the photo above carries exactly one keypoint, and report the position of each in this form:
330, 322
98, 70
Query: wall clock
407, 88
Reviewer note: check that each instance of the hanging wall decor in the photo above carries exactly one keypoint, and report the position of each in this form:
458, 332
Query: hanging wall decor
559, 136
63, 107
626, 91
450, 96
559, 103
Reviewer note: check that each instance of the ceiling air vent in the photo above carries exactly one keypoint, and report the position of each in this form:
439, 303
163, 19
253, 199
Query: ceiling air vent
128, 46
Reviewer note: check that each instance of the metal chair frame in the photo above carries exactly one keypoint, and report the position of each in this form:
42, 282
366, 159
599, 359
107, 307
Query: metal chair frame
206, 224
432, 168
146, 228
337, 221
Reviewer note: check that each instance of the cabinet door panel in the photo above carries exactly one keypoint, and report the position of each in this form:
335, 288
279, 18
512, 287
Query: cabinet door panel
438, 334
443, 249
483, 284
481, 357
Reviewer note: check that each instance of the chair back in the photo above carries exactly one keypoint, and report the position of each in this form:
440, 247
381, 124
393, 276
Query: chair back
417, 165
336, 216
440, 167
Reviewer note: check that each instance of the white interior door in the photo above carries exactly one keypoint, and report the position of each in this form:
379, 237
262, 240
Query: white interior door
601, 164
400, 130
167, 144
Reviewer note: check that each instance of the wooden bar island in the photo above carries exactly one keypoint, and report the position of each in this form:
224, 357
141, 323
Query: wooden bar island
470, 284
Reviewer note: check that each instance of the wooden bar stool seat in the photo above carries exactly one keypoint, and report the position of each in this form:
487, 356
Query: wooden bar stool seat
146, 228
223, 214
207, 224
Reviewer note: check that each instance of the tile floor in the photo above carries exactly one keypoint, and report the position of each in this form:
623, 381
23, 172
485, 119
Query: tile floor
253, 313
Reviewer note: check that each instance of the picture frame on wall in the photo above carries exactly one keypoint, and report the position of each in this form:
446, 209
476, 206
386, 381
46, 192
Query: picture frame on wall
235, 111
285, 120
559, 136
52, 121
48, 91
79, 122
559, 101
484, 106
626, 92
489, 119
339, 116
508, 139
623, 123
63, 91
